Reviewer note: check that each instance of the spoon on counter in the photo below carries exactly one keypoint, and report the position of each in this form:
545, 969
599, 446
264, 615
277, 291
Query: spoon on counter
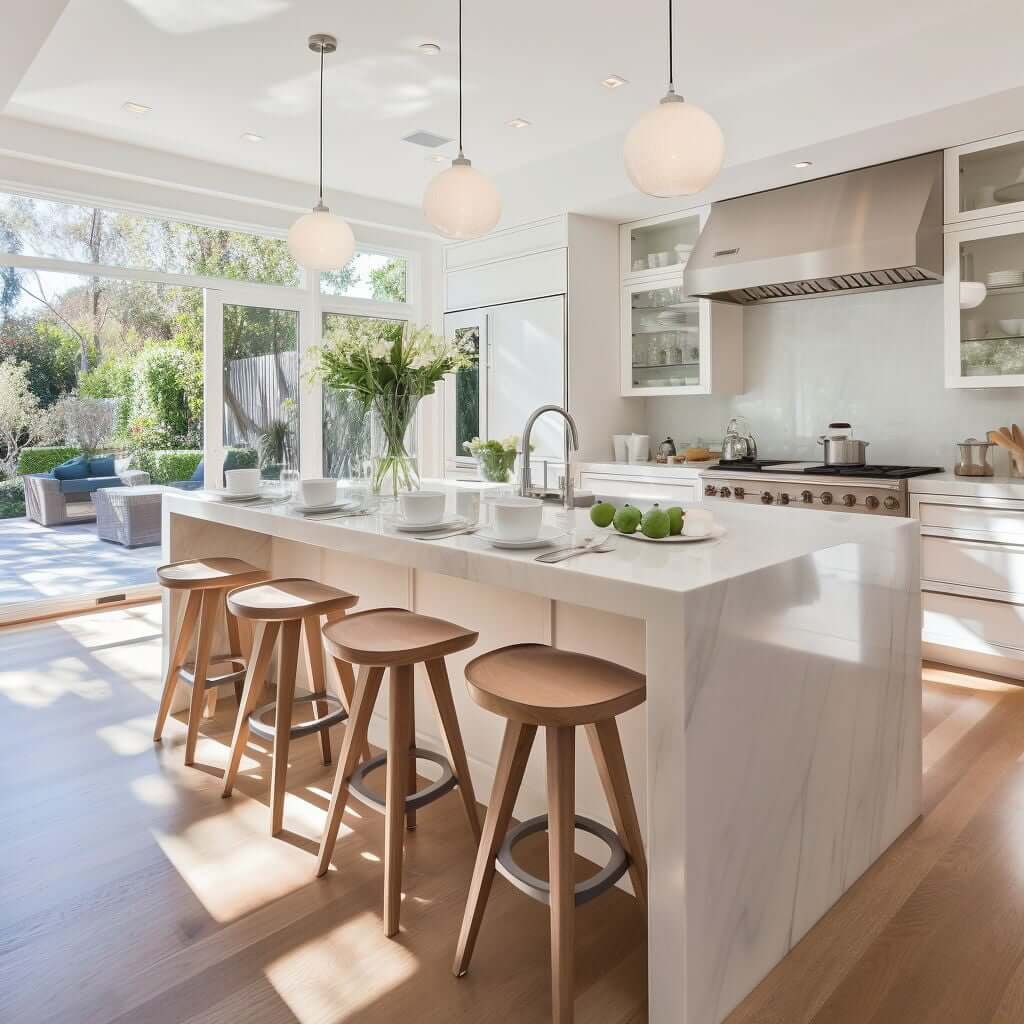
590, 546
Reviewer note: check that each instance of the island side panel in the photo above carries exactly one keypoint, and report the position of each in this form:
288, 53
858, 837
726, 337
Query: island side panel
803, 751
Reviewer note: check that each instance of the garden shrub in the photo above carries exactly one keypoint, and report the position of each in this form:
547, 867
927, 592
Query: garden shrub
173, 465
43, 458
12, 499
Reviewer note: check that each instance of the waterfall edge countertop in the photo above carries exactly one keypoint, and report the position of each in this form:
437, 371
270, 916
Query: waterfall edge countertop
778, 753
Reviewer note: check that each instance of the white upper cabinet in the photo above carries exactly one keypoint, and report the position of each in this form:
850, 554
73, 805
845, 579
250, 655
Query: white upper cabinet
671, 344
985, 180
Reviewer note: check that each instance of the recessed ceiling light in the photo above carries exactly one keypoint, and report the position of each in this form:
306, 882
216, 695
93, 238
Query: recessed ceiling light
518, 122
429, 49
135, 108
614, 81
251, 137
801, 164
437, 159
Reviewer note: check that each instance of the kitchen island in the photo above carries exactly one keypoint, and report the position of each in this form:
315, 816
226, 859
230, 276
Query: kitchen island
779, 750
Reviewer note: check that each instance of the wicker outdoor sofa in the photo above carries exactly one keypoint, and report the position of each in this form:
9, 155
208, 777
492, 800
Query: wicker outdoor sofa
53, 502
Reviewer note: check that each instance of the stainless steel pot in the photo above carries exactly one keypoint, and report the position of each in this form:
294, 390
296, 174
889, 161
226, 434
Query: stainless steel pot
841, 449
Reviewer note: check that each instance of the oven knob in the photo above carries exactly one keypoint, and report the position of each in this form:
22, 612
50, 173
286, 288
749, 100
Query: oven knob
849, 500
725, 492
783, 499
871, 501
892, 503
807, 497
826, 497
766, 498
738, 492
710, 490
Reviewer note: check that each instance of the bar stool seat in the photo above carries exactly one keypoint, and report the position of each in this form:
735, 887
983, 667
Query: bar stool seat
531, 686
395, 639
292, 608
207, 582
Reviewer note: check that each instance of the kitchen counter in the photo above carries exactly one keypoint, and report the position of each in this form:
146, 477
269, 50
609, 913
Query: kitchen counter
779, 747
998, 486
648, 470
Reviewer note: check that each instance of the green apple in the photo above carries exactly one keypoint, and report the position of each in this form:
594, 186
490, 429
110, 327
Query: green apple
675, 520
602, 513
656, 523
627, 519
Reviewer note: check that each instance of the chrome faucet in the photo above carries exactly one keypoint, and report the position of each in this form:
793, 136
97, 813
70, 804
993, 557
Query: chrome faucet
525, 482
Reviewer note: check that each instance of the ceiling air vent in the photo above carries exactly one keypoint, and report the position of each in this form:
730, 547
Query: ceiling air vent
426, 139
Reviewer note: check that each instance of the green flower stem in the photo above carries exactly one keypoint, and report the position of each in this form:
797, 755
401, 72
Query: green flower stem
395, 413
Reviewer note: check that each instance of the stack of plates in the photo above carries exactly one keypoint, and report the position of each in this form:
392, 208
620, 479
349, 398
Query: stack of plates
677, 318
1005, 279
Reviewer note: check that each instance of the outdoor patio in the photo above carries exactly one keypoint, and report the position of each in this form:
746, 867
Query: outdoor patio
41, 563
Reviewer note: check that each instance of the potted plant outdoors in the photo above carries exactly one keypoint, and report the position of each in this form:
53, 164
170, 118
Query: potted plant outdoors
389, 366
495, 459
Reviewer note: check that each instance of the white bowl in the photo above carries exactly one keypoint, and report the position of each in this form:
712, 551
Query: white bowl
318, 492
242, 481
1012, 328
517, 518
422, 508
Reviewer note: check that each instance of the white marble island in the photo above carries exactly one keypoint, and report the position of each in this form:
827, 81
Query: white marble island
778, 753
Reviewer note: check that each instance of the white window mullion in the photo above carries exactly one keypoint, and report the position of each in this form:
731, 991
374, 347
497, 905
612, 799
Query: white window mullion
213, 397
311, 420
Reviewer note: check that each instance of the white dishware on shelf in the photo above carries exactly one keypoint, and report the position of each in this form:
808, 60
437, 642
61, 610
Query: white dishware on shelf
664, 259
517, 518
639, 445
315, 493
972, 293
403, 525
242, 481
1010, 193
652, 260
546, 537
639, 264
620, 447
467, 505
1012, 327
422, 508
1005, 278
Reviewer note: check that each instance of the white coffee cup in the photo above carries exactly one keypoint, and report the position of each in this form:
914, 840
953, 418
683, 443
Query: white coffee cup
620, 447
422, 508
467, 505
318, 492
517, 518
242, 481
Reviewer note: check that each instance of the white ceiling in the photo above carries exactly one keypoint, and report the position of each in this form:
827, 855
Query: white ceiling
789, 76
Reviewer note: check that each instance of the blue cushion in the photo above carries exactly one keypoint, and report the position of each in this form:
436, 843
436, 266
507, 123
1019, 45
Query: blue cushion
87, 485
74, 469
103, 466
197, 473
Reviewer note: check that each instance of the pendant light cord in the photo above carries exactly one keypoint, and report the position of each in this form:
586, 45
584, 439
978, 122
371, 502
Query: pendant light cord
460, 77
321, 124
671, 84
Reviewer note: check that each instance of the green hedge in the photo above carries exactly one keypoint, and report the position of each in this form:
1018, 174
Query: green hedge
12, 499
42, 460
174, 465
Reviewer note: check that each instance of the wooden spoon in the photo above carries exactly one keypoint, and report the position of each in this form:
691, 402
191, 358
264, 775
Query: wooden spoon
1017, 434
1004, 439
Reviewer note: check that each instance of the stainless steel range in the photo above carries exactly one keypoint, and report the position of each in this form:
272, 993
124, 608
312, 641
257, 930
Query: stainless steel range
870, 490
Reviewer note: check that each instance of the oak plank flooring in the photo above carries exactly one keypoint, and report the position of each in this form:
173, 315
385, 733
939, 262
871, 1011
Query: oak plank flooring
131, 892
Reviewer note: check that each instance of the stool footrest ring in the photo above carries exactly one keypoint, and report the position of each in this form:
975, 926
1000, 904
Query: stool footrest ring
617, 865
337, 713
414, 801
187, 672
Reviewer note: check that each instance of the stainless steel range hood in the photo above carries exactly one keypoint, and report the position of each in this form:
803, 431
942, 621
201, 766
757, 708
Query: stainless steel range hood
878, 227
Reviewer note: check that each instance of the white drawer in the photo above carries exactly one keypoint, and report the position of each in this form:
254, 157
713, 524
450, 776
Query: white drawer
645, 490
979, 522
970, 624
997, 569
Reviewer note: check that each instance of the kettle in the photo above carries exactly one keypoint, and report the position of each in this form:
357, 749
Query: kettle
738, 443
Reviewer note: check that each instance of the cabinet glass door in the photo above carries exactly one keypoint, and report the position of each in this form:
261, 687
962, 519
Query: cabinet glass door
992, 332
663, 244
665, 330
990, 180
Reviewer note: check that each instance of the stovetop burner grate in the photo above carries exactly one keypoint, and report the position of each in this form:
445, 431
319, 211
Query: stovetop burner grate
866, 472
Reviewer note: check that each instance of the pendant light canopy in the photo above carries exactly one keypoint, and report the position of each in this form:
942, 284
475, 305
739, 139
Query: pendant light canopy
461, 202
675, 149
320, 240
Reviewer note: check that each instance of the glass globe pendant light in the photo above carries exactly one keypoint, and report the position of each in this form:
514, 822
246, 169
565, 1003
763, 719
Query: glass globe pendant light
677, 148
461, 202
320, 240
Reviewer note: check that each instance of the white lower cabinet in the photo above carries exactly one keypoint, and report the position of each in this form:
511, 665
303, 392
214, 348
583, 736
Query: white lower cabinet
641, 487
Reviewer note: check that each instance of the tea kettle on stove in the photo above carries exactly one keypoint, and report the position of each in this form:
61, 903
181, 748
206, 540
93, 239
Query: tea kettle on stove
738, 443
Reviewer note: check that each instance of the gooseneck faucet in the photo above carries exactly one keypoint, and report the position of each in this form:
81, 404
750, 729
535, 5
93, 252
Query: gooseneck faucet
525, 481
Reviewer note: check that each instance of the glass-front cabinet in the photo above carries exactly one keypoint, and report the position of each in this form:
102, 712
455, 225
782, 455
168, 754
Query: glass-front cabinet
984, 302
985, 180
651, 247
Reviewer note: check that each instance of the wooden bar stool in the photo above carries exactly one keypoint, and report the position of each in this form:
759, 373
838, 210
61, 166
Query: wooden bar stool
534, 685
207, 582
295, 609
396, 639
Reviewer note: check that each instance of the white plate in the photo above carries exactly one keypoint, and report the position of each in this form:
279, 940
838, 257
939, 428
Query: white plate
315, 510
451, 523
548, 535
716, 531
226, 495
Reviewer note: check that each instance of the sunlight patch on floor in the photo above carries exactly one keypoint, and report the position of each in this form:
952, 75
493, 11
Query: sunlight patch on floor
964, 679
154, 790
951, 730
130, 738
48, 681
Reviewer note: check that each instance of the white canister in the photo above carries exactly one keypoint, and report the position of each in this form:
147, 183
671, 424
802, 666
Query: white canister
639, 447
620, 447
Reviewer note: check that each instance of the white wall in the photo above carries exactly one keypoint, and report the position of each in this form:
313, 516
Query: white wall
874, 360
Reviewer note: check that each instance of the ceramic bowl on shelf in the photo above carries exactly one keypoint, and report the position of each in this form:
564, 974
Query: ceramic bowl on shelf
1012, 328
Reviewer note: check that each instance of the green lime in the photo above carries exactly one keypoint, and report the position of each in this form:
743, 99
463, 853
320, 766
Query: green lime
655, 524
627, 519
675, 520
602, 513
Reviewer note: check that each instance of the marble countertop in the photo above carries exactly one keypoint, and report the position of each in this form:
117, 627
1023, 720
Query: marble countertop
999, 486
637, 574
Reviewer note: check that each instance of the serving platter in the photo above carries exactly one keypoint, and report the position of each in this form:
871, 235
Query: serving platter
716, 531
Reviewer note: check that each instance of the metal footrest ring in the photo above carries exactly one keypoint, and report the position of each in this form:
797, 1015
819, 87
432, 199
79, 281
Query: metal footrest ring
617, 865
187, 672
337, 713
414, 801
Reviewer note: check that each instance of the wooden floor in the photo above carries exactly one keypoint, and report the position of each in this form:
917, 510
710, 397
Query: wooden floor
131, 892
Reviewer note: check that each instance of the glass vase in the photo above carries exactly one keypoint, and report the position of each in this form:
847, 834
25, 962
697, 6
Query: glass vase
393, 444
493, 467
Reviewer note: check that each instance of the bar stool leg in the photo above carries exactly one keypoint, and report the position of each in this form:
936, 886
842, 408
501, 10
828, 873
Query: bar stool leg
363, 700
452, 736
255, 675
561, 853
411, 782
177, 659
207, 622
289, 659
515, 752
238, 659
399, 721
611, 767
314, 650
347, 686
